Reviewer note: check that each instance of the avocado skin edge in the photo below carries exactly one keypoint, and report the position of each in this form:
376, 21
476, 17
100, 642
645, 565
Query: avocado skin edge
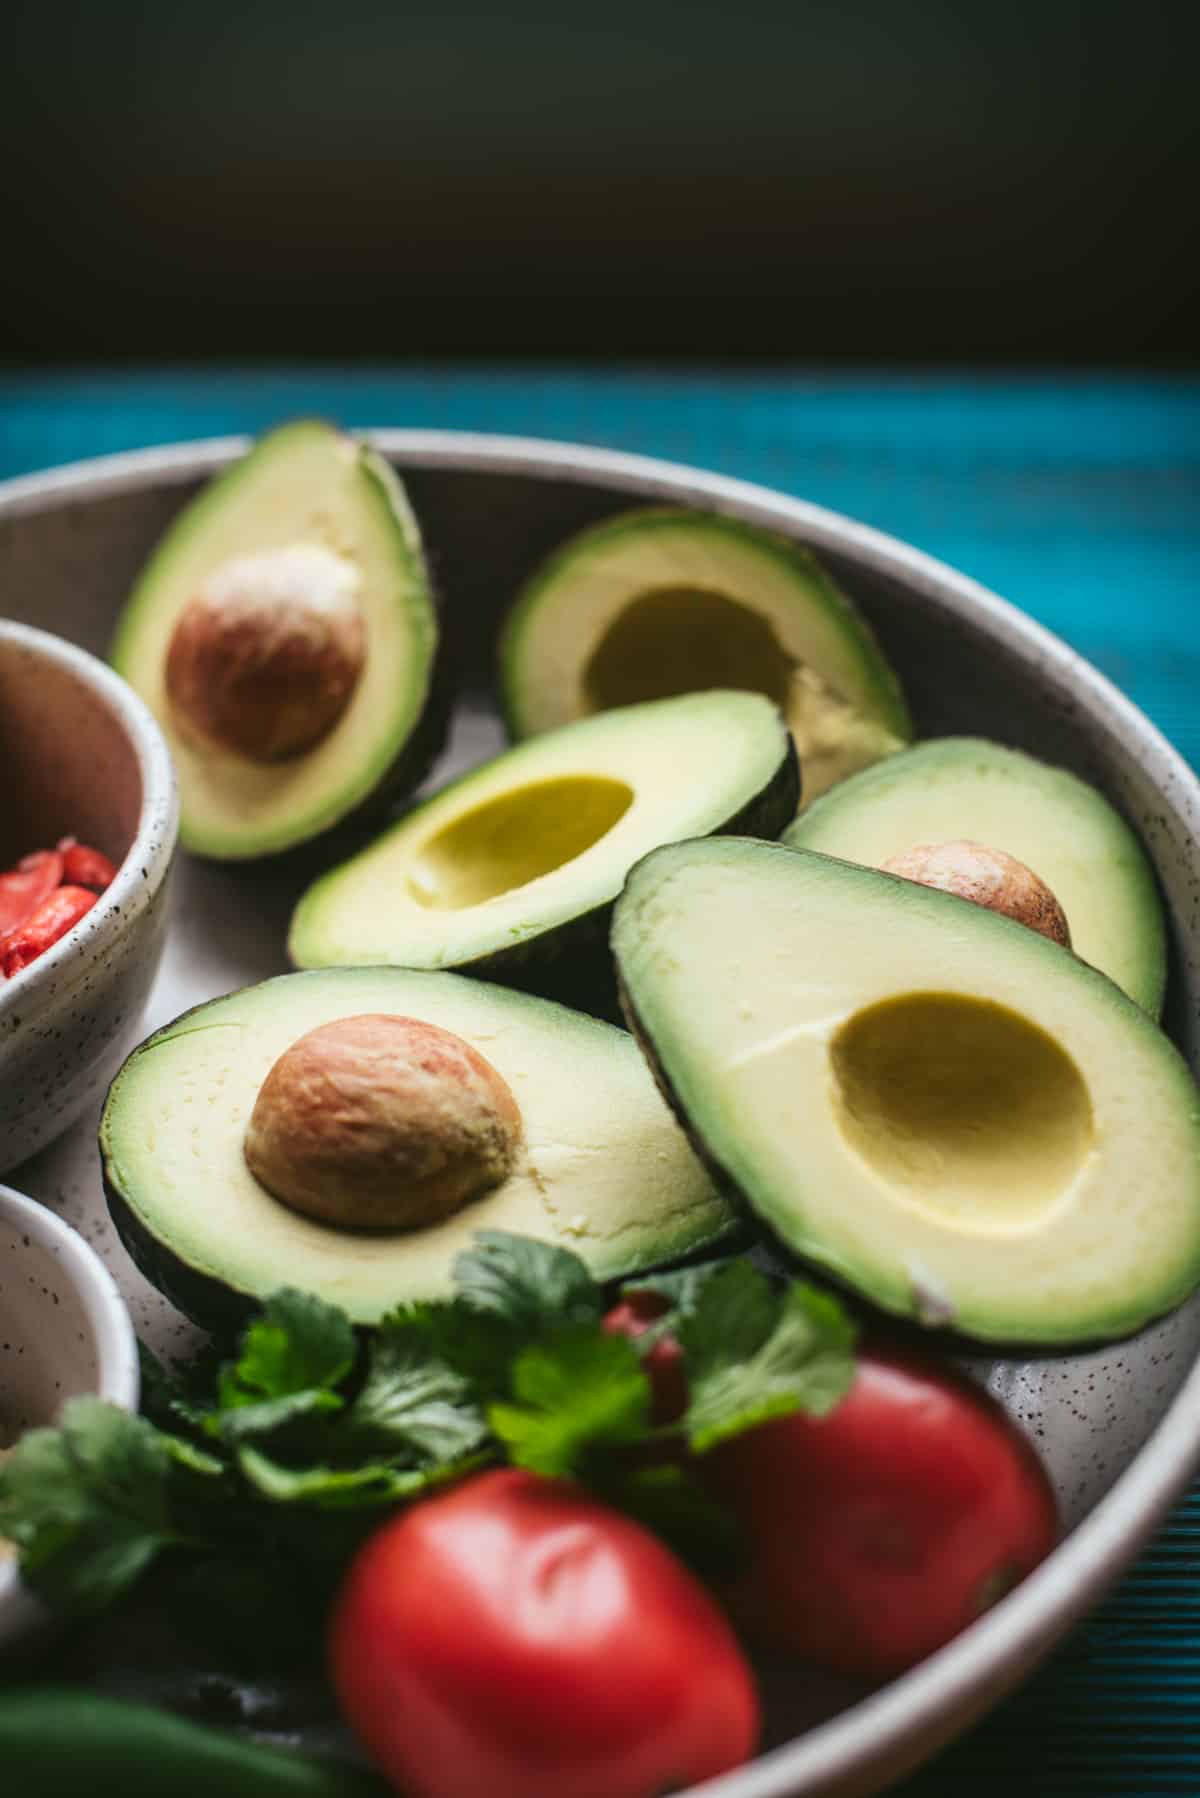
206, 1299
573, 964
209, 1299
904, 1323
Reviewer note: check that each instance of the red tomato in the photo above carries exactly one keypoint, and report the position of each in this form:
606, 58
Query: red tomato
53, 918
884, 1528
85, 867
24, 887
513, 1638
663, 1364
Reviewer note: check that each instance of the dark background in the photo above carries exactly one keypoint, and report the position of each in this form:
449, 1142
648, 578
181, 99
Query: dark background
889, 179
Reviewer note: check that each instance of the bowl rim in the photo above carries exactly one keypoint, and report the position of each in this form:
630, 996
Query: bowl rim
148, 857
118, 1378
888, 1732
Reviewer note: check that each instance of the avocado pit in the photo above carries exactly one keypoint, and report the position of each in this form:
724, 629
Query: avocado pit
381, 1122
265, 658
988, 877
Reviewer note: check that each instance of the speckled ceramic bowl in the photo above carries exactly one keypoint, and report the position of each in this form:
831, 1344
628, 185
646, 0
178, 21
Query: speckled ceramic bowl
80, 756
64, 1331
1118, 1428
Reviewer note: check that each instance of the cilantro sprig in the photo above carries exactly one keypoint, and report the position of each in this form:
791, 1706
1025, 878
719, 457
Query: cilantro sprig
291, 1447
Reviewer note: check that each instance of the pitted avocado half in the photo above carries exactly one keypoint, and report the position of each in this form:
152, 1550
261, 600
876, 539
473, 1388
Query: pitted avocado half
317, 518
511, 871
948, 1112
664, 600
1061, 828
602, 1167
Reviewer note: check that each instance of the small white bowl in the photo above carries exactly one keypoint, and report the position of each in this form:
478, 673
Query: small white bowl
80, 755
64, 1331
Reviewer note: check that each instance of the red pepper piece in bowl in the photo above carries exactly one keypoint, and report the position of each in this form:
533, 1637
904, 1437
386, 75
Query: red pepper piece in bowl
85, 867
23, 888
52, 919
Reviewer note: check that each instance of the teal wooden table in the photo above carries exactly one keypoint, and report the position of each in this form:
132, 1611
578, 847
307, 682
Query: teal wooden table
1078, 498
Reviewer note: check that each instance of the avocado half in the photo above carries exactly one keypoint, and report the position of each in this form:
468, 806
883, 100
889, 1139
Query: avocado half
664, 600
948, 1112
304, 484
511, 871
1067, 832
603, 1168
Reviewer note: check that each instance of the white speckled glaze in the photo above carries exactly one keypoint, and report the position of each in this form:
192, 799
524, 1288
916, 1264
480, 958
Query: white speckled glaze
1119, 1426
80, 755
64, 1331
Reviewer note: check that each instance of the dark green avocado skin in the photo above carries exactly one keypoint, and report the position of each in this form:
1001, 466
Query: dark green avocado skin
573, 964
207, 1300
777, 1254
718, 1174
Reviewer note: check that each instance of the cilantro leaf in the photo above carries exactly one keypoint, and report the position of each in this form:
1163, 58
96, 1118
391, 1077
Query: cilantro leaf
732, 1317
167, 1399
534, 1285
344, 1488
575, 1390
412, 1400
235, 1422
182, 1453
681, 1286
753, 1353
478, 1345
292, 1358
87, 1504
299, 1342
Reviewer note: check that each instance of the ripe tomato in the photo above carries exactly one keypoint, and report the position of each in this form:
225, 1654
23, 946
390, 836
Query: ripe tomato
663, 1363
23, 888
882, 1529
513, 1638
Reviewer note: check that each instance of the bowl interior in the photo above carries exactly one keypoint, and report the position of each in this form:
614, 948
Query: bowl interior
50, 1348
68, 763
68, 558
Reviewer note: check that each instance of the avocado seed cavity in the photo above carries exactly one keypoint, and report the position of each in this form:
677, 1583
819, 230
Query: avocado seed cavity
381, 1122
264, 659
964, 1108
987, 877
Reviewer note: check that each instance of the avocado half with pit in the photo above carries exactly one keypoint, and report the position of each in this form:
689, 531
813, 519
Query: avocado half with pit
284, 635
664, 600
511, 871
1056, 824
940, 1107
600, 1166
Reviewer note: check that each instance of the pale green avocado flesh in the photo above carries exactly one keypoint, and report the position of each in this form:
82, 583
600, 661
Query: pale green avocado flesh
602, 1169
303, 486
948, 1112
953, 788
662, 601
490, 869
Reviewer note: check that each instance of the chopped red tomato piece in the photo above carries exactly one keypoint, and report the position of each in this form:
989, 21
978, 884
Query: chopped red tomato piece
52, 919
24, 887
86, 867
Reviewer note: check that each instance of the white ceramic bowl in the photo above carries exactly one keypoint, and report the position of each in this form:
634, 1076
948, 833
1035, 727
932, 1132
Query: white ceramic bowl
80, 755
1119, 1427
64, 1331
